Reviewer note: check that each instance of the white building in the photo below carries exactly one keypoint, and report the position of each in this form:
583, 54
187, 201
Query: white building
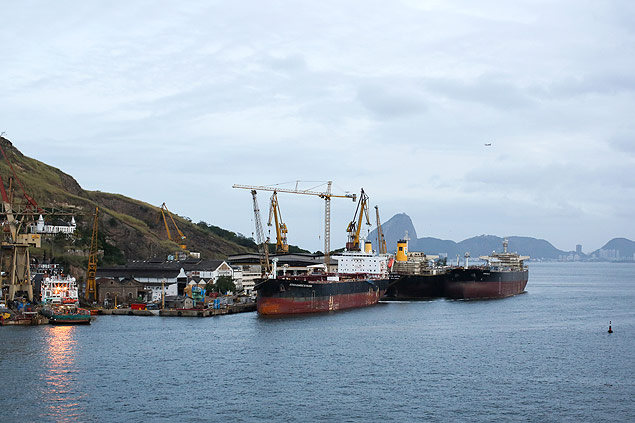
59, 227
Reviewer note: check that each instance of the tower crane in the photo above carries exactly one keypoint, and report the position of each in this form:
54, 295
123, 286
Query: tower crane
282, 247
91, 270
15, 258
354, 227
327, 195
164, 210
381, 240
263, 244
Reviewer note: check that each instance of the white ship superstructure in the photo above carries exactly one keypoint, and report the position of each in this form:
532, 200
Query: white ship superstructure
59, 290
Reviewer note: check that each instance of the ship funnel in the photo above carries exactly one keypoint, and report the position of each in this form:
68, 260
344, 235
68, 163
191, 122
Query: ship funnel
368, 247
402, 250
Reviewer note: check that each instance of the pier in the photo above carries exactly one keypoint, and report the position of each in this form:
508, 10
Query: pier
230, 309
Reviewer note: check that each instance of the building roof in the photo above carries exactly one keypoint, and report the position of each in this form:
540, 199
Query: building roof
296, 259
159, 269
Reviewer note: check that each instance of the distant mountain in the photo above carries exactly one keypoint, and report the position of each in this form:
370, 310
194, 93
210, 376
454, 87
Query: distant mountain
394, 230
396, 227
626, 248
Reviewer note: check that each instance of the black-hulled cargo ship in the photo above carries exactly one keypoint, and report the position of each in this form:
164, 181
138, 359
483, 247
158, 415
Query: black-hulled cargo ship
361, 280
503, 275
414, 275
418, 277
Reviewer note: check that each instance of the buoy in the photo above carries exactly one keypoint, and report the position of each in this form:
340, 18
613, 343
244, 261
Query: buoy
610, 330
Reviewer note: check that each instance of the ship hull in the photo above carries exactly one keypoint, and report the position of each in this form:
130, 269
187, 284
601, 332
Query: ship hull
69, 320
284, 296
415, 287
476, 283
62, 316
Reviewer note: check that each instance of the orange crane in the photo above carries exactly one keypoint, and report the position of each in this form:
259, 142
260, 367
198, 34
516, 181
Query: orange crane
282, 247
164, 210
354, 227
91, 270
327, 195
381, 240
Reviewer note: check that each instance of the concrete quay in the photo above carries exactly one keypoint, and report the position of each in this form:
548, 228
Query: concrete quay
230, 309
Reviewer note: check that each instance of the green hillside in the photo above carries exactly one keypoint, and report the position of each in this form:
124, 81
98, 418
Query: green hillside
129, 229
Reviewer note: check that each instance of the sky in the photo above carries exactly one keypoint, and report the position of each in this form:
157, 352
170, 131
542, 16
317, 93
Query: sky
177, 101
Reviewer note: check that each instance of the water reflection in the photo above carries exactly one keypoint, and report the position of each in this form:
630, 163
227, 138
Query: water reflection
60, 381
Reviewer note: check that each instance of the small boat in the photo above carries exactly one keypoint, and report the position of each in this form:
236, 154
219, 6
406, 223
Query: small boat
67, 314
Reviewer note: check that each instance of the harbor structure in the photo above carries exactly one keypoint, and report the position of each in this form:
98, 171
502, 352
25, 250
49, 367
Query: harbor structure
168, 278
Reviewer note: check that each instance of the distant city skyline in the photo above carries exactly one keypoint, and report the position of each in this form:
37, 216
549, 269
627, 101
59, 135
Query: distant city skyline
472, 118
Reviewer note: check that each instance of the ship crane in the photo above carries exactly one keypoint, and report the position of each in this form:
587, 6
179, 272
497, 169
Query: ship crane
327, 195
263, 243
355, 226
91, 270
381, 240
164, 211
282, 247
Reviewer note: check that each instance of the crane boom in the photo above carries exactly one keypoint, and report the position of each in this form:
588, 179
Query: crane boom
29, 200
263, 244
164, 211
327, 195
91, 270
355, 227
381, 240
282, 247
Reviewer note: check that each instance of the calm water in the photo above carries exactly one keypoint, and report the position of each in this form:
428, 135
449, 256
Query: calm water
541, 356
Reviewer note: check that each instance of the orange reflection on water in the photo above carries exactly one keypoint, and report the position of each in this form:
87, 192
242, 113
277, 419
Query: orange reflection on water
61, 390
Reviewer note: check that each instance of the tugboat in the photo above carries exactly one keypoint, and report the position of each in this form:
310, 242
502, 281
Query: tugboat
60, 299
67, 314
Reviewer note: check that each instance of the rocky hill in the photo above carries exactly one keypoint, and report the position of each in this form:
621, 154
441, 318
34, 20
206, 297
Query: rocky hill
129, 229
625, 247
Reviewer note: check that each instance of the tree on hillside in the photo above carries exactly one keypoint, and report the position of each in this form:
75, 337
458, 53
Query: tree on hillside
224, 284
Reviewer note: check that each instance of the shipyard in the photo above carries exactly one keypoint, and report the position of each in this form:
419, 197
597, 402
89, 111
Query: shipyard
361, 212
184, 284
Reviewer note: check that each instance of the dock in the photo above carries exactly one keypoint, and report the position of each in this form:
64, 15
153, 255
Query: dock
230, 309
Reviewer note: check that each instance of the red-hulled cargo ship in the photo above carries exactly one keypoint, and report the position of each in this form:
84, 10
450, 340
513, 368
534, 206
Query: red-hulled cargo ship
361, 280
504, 275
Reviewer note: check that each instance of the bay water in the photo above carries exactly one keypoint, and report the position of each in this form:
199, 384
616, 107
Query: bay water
542, 356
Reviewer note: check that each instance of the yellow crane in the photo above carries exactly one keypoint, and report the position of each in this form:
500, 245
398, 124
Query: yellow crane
164, 210
381, 240
354, 227
326, 195
282, 247
91, 270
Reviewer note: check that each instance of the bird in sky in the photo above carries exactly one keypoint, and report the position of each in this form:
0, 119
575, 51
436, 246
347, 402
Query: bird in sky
488, 144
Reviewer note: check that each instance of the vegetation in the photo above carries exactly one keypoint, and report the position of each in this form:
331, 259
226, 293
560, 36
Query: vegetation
228, 235
223, 285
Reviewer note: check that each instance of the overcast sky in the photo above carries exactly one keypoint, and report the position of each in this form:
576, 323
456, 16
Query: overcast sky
176, 101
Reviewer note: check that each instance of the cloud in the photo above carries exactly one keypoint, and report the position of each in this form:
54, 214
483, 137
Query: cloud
387, 103
623, 142
491, 90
